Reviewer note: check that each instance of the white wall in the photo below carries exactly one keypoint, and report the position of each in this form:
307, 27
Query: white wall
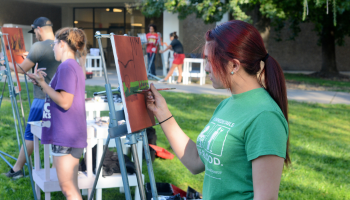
171, 23
225, 18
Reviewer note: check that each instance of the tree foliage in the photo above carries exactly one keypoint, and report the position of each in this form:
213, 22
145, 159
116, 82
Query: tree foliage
279, 11
322, 13
330, 17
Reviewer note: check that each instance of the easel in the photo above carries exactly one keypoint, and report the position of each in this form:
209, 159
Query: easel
158, 44
1, 97
116, 131
15, 110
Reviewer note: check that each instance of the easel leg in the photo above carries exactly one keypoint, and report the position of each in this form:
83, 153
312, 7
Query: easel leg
99, 158
122, 167
149, 166
149, 68
38, 192
89, 194
138, 171
99, 162
137, 193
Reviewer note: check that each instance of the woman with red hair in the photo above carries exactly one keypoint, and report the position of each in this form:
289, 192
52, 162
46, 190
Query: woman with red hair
244, 146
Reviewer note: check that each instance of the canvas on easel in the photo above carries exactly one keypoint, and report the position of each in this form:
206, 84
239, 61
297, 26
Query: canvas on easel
16, 40
132, 76
14, 45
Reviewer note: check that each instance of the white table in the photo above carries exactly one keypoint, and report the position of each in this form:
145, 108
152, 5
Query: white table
93, 108
46, 179
93, 63
188, 72
100, 134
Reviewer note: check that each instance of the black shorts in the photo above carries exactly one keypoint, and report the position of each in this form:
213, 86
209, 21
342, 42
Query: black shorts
62, 151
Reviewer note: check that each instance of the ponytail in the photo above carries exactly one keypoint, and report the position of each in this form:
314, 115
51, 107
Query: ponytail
74, 37
275, 85
173, 34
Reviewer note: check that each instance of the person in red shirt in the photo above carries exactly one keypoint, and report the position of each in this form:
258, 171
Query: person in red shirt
152, 39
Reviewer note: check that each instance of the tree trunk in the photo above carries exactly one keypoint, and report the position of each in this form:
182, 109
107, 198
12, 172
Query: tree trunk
262, 23
329, 66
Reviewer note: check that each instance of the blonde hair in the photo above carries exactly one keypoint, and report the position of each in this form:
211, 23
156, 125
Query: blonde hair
74, 37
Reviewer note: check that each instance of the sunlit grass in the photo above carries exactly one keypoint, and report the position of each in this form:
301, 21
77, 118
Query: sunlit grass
333, 85
319, 148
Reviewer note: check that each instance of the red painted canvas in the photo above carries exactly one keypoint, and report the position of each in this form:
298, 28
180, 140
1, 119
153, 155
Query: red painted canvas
132, 76
16, 43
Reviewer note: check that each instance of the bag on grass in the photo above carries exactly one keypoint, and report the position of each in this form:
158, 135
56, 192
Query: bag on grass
110, 163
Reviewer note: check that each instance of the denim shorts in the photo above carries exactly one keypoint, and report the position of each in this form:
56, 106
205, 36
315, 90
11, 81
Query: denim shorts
62, 151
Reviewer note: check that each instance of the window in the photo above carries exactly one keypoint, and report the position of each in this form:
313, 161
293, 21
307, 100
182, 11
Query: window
108, 20
83, 18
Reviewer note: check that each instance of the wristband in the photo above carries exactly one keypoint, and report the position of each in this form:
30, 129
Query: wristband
165, 120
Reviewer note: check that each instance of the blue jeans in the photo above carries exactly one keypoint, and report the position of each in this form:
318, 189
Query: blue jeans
153, 67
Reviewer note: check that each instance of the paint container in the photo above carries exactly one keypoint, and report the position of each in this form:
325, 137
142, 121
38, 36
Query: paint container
163, 189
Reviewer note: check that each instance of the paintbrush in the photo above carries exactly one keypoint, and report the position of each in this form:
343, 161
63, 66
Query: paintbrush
25, 73
161, 89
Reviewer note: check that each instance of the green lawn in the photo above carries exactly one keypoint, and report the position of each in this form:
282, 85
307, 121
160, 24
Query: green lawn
319, 147
327, 84
334, 85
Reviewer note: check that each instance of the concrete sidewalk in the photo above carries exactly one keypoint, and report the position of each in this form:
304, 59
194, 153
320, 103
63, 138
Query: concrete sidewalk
328, 97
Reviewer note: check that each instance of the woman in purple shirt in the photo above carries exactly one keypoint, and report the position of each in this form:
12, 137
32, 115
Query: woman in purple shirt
64, 118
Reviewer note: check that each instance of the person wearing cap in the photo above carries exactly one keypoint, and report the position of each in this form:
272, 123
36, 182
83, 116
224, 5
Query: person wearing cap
40, 53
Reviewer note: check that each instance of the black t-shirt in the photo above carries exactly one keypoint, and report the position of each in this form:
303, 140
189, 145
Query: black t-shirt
177, 46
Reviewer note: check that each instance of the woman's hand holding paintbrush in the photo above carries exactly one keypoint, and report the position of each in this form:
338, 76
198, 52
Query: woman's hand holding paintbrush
157, 104
38, 75
148, 90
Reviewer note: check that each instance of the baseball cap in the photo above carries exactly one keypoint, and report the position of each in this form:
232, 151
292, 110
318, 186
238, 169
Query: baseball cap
40, 22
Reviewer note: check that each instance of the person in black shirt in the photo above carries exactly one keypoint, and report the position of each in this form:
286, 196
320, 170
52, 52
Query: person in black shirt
179, 57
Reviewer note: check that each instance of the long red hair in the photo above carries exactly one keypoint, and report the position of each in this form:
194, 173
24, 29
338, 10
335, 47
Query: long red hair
242, 41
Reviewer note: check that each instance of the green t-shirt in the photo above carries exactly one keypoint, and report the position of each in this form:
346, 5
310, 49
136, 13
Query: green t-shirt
243, 127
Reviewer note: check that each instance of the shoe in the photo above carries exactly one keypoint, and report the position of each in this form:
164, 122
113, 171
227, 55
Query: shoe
161, 81
14, 175
177, 82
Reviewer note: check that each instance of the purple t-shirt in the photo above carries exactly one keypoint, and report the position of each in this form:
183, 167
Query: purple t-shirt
66, 127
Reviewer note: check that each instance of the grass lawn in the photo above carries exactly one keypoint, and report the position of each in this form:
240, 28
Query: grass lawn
311, 83
319, 147
334, 85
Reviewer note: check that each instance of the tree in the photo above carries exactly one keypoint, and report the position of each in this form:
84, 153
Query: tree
331, 18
